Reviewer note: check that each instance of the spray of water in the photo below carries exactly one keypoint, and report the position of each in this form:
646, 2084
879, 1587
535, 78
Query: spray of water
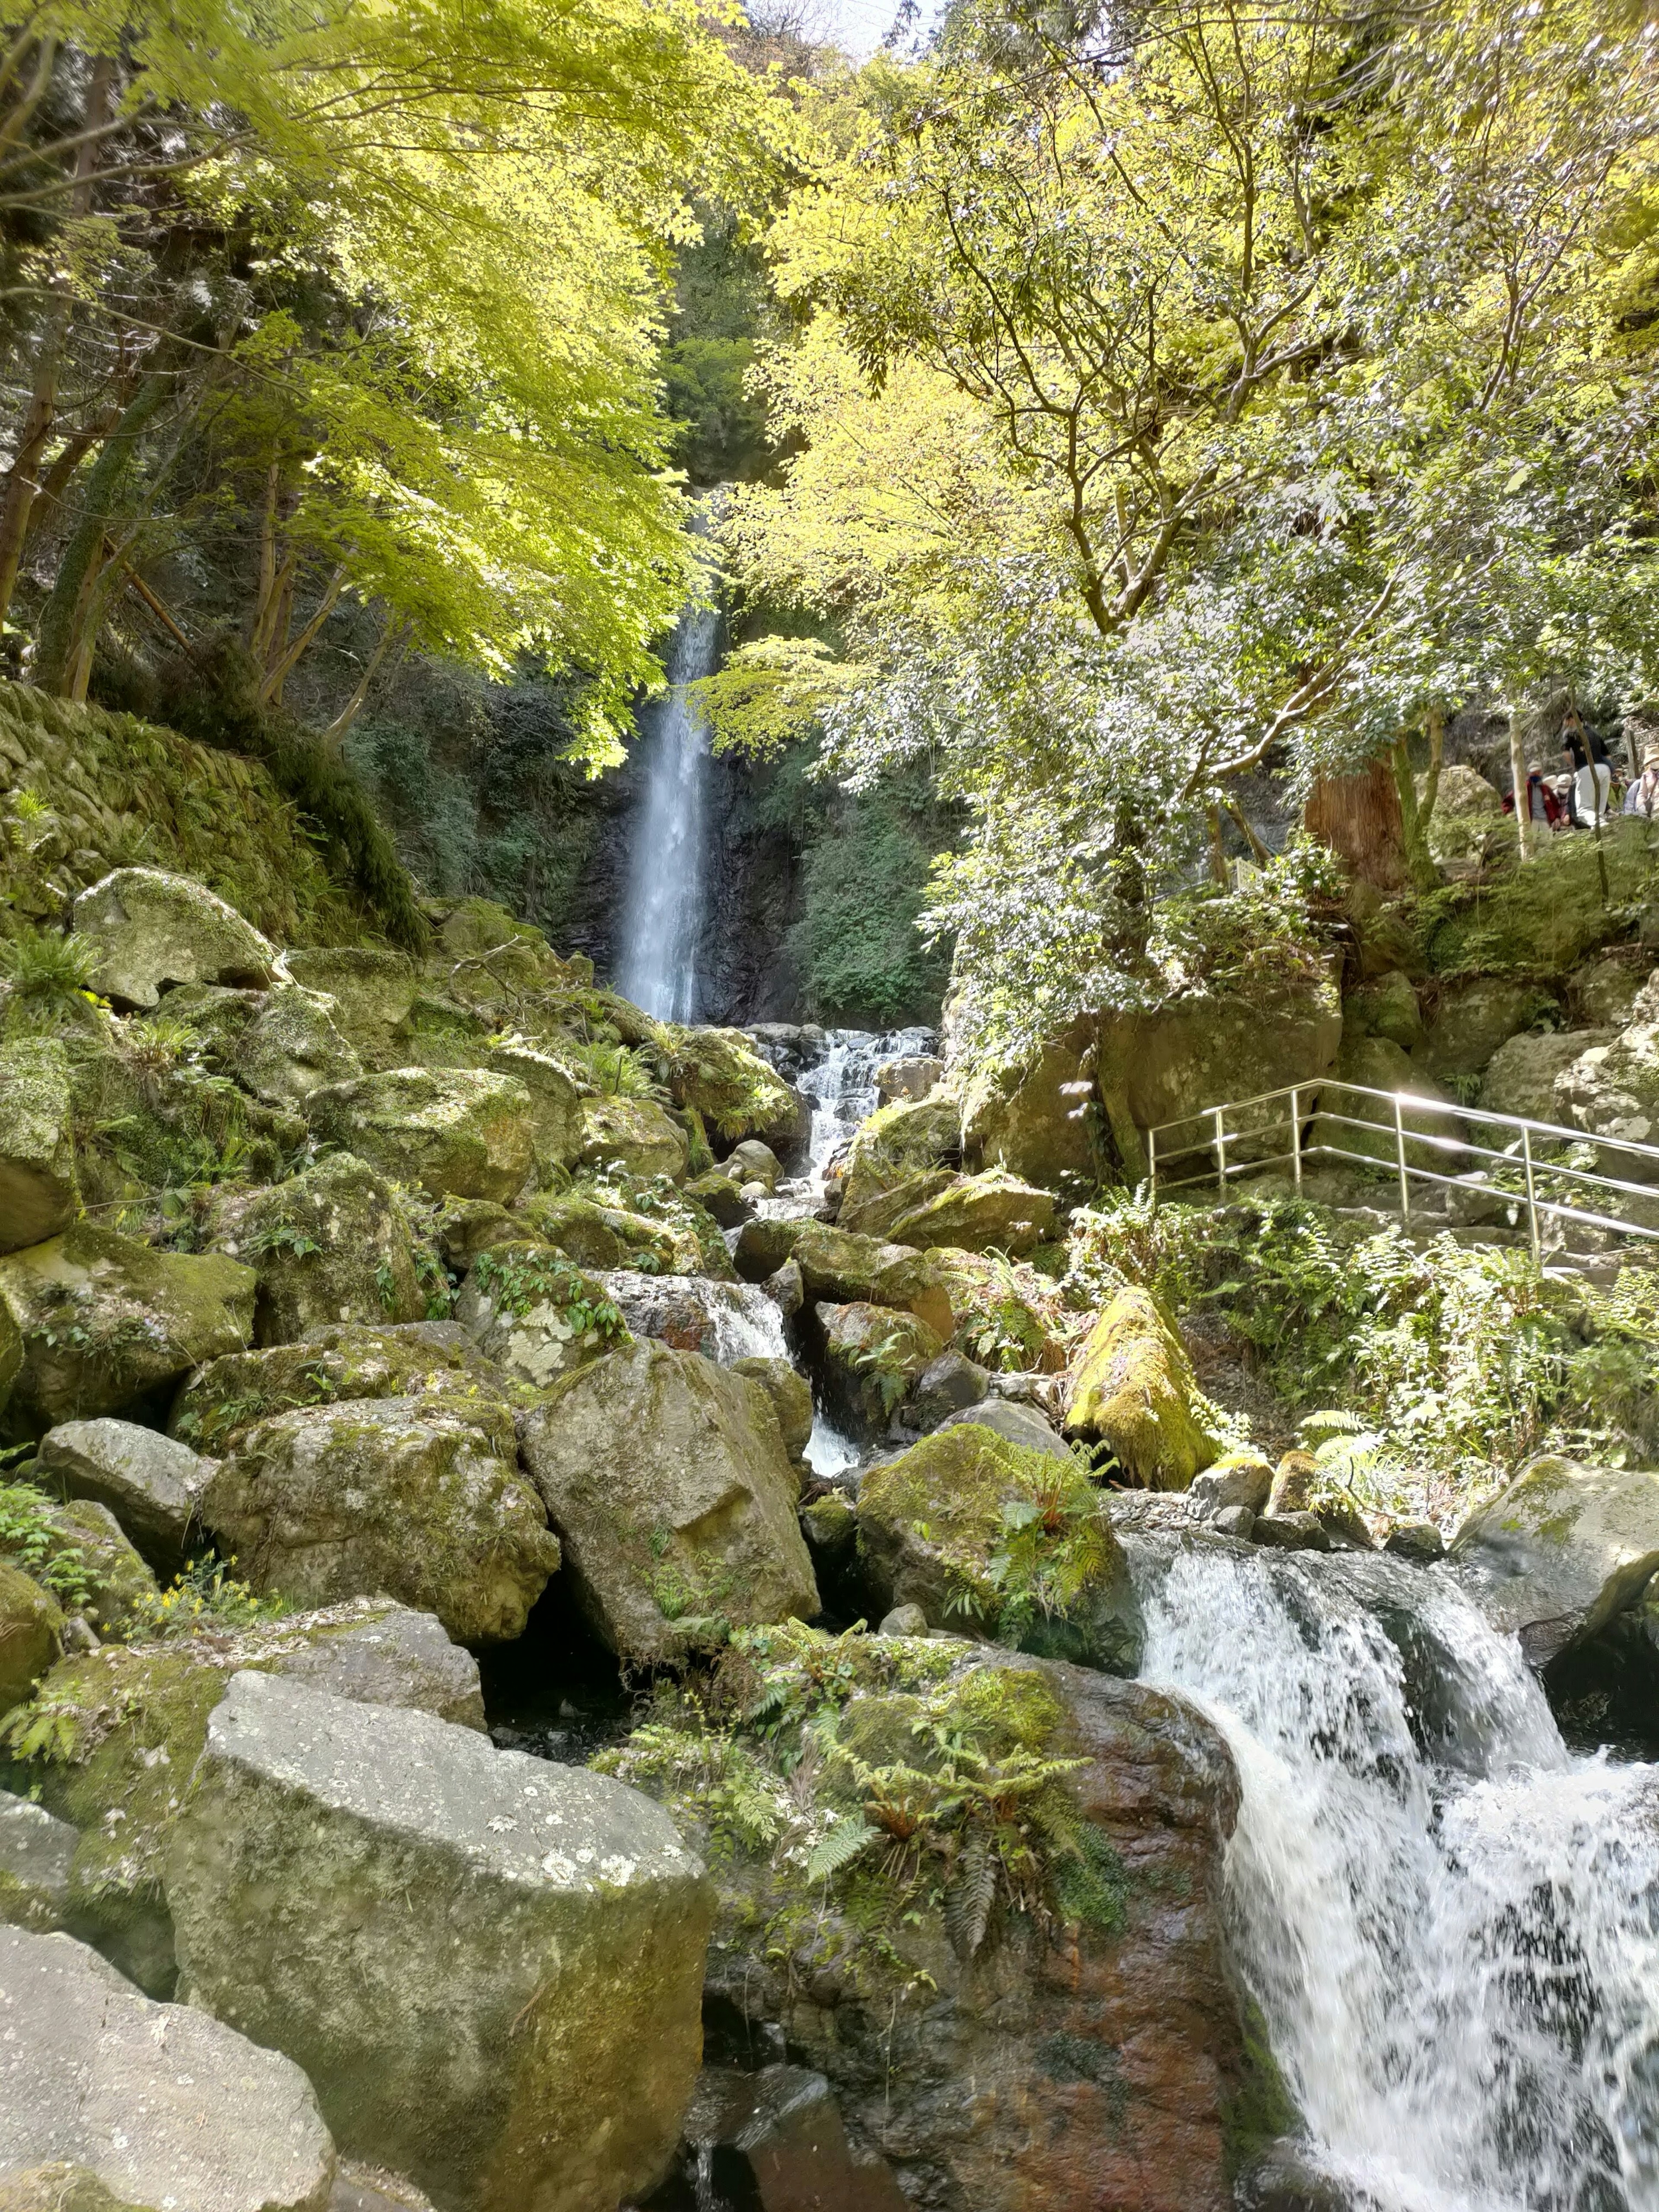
1451, 1926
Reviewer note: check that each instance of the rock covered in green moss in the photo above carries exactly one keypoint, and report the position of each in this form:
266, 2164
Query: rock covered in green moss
556, 1106
1603, 992
910, 1137
153, 1484
491, 1965
292, 1048
718, 1074
159, 2104
106, 1322
867, 1358
1475, 1016
1555, 1556
31, 1624
332, 1244
635, 1134
667, 1480
372, 992
419, 1499
601, 1236
452, 1132
1008, 1316
533, 1316
1543, 919
1386, 1006
11, 1354
1133, 1391
846, 1270
715, 1191
993, 1211
122, 1589
116, 1734
38, 1192
147, 929
225, 1399
874, 1213
1039, 1121
790, 1393
60, 2186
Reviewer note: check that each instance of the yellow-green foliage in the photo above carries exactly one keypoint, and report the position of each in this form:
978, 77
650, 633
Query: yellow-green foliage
718, 1074
1133, 1390
1009, 1316
1543, 919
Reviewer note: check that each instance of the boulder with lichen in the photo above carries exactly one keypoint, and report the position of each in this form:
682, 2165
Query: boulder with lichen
1133, 1391
332, 1244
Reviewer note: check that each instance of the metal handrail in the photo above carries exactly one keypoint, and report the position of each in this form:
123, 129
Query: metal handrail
1521, 1153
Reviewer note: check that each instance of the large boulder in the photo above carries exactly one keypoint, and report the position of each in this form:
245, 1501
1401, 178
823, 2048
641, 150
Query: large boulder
633, 1133
874, 1212
533, 1316
603, 1236
556, 1106
844, 1270
1560, 1551
668, 1482
492, 1967
908, 1138
1603, 993
1477, 1014
791, 1394
37, 1851
1386, 1006
1133, 1391
1612, 1091
11, 1354
152, 1484
1520, 1075
452, 1132
718, 1074
868, 1358
433, 1358
85, 1541
1007, 1315
1040, 1120
291, 1048
146, 930
31, 1623
725, 1321
159, 2103
371, 992
420, 1499
937, 1525
333, 1244
38, 1195
126, 1726
1356, 1124
1468, 810
107, 1324
990, 1212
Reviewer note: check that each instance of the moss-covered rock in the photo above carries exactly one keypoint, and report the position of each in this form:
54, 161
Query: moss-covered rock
1475, 1015
222, 1401
1542, 920
633, 1135
87, 1538
455, 1132
59, 2187
418, 1498
993, 1211
107, 1324
292, 1048
718, 1074
1041, 1120
1560, 1551
11, 1354
1354, 1124
31, 1623
868, 1357
721, 1198
38, 1194
146, 929
1133, 1391
1008, 1316
334, 1244
1386, 1006
1603, 993
557, 1120
667, 1480
791, 1396
875, 1212
1612, 1091
908, 1138
371, 992
604, 1238
845, 1269
534, 1317
1521, 1076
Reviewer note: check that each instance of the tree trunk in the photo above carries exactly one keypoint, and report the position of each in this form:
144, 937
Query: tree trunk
63, 617
1217, 850
334, 735
271, 689
1359, 817
17, 502
1518, 784
1414, 813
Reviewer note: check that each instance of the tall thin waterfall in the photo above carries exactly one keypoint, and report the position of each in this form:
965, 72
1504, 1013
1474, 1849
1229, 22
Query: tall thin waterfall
1450, 1924
662, 922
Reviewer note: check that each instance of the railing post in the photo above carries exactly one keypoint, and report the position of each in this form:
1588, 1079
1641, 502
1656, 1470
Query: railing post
1295, 1136
1532, 1198
1221, 1150
1400, 1154
1151, 1164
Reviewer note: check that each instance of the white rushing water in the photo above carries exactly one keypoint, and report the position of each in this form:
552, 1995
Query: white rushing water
1450, 1924
841, 1085
662, 919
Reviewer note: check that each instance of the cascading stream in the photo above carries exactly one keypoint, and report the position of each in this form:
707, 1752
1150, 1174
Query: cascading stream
1451, 1925
662, 919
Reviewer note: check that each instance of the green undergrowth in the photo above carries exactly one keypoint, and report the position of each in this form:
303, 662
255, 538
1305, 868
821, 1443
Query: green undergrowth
897, 1785
519, 1277
1463, 1361
31, 1539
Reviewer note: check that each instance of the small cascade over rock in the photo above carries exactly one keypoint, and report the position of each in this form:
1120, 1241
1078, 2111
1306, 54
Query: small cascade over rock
1450, 1924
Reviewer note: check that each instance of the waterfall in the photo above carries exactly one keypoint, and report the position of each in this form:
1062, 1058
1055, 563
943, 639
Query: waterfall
662, 921
1451, 1926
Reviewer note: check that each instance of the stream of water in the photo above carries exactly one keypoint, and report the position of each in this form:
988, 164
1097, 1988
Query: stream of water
1451, 1925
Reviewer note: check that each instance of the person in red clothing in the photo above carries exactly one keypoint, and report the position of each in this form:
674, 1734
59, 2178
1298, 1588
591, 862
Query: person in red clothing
1542, 805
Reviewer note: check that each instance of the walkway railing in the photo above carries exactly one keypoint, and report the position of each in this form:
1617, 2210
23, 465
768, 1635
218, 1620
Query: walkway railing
1314, 1120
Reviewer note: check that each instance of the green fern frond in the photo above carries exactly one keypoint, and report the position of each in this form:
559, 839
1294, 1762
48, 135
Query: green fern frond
839, 1847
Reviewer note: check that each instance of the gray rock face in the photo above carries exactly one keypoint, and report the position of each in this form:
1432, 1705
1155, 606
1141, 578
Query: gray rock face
1521, 1076
36, 1142
152, 1484
1015, 1424
492, 1967
949, 1384
667, 1480
1229, 1482
165, 2105
791, 1396
292, 1048
148, 929
1562, 1550
393, 1657
531, 1314
411, 1498
36, 1853
1612, 1091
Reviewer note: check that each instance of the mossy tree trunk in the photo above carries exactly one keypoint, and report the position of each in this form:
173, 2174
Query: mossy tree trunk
1415, 813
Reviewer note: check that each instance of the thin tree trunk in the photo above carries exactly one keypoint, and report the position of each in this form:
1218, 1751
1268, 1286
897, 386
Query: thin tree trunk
61, 617
264, 600
270, 689
1518, 783
18, 501
142, 591
1250, 838
1415, 813
1217, 850
334, 734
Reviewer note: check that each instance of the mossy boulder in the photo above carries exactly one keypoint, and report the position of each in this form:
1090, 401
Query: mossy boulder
153, 1484
1475, 1015
416, 1498
1009, 1317
1555, 1556
31, 1623
1355, 1124
371, 992
491, 1964
89, 1536
333, 1244
845, 1269
790, 1393
718, 1074
1386, 1006
556, 1119
601, 1236
120, 1730
993, 1211
668, 1482
107, 1324
721, 1198
936, 1525
11, 1355
1543, 920
464, 1227
1133, 1391
147, 929
534, 1317
224, 1400
868, 1358
1603, 993
633, 1135
36, 1853
1520, 1075
451, 1131
1467, 813
292, 1048
1040, 1120
1612, 1091
908, 1138
38, 1192
874, 1213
